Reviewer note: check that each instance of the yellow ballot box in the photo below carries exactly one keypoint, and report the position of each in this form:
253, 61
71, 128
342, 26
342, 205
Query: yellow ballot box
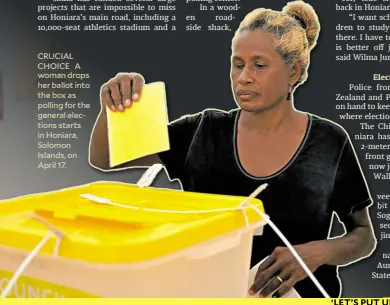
110, 239
140, 130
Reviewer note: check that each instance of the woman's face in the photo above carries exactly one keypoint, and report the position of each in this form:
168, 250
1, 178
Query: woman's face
260, 78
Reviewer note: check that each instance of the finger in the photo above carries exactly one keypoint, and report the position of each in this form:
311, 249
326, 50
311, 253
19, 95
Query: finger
116, 95
106, 99
264, 277
272, 260
125, 89
277, 251
284, 288
271, 286
137, 85
276, 282
263, 266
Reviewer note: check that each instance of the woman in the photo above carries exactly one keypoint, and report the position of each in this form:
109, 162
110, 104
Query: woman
308, 162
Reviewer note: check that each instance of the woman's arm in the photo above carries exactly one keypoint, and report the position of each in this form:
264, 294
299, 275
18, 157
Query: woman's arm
359, 241
281, 265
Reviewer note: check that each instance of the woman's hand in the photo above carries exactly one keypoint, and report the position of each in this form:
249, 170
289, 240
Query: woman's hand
121, 91
281, 271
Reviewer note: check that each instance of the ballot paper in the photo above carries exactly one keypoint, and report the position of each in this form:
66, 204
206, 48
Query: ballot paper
140, 130
292, 293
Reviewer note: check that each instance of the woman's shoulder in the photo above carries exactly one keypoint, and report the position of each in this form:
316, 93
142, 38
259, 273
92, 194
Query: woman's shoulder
219, 114
208, 115
327, 128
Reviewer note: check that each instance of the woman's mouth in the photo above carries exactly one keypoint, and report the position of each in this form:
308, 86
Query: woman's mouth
246, 95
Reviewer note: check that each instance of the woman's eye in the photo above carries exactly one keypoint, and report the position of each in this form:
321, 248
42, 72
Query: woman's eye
260, 66
239, 66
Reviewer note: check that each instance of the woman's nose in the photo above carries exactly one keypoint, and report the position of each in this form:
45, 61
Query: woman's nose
246, 76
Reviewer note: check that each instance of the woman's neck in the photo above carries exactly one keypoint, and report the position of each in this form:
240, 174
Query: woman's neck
271, 121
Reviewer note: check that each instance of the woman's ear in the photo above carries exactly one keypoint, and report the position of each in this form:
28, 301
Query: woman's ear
296, 71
